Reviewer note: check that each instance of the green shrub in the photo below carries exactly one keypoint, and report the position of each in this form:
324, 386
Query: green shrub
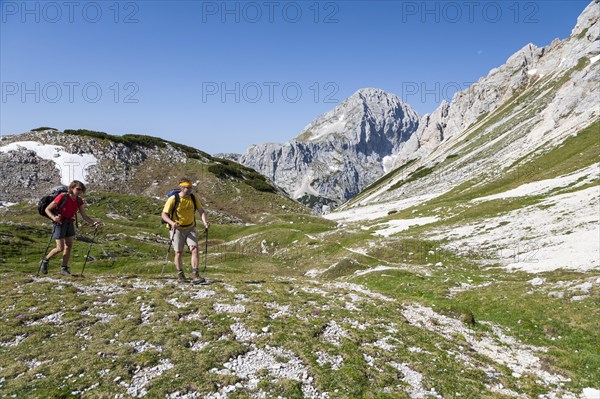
95, 135
260, 185
133, 140
190, 152
224, 171
417, 174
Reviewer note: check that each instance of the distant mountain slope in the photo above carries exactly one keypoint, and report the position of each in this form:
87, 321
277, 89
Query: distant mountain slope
510, 166
340, 152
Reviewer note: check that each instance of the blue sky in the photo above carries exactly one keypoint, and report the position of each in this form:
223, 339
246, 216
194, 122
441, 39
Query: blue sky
221, 76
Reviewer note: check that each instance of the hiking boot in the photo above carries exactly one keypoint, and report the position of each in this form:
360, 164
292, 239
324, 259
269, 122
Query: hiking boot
181, 277
196, 277
44, 265
65, 271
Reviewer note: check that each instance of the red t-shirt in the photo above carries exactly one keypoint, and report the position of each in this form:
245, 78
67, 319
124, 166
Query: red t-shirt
70, 207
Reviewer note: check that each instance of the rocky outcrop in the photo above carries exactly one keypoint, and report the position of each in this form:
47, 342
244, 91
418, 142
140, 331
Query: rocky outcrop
340, 152
27, 175
24, 174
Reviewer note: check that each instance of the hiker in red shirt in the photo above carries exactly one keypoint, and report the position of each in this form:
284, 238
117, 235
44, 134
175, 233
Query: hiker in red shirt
62, 213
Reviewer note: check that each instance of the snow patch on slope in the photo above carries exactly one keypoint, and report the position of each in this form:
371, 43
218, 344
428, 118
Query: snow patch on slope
71, 166
578, 178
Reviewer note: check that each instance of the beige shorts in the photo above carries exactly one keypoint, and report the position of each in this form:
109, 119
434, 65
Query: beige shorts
187, 236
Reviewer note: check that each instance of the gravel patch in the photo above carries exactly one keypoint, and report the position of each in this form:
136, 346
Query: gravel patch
277, 362
225, 308
16, 341
333, 333
143, 376
143, 346
334, 361
282, 310
55, 318
146, 313
103, 317
175, 302
242, 334
415, 380
202, 294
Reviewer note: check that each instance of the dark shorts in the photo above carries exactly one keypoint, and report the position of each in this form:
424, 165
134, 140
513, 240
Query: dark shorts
64, 230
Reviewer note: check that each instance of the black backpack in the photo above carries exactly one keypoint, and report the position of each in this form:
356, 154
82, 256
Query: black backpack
175, 192
47, 199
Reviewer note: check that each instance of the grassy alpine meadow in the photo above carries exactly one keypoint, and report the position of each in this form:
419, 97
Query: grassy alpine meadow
298, 307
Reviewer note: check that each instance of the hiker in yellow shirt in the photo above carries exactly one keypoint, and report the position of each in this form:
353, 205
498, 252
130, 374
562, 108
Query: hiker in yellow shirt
179, 213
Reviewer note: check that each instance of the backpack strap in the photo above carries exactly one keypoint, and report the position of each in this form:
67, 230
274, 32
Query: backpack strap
62, 201
194, 202
195, 207
175, 205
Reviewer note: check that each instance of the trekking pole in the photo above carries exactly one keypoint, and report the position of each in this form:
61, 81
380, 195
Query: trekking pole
205, 249
46, 251
172, 234
89, 249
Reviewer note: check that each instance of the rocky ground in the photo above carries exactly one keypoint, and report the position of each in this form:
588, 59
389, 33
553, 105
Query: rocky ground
127, 336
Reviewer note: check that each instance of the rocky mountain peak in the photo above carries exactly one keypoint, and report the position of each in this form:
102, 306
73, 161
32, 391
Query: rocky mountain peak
340, 152
367, 112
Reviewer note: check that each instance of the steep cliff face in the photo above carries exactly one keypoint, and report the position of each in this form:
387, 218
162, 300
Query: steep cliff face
340, 152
